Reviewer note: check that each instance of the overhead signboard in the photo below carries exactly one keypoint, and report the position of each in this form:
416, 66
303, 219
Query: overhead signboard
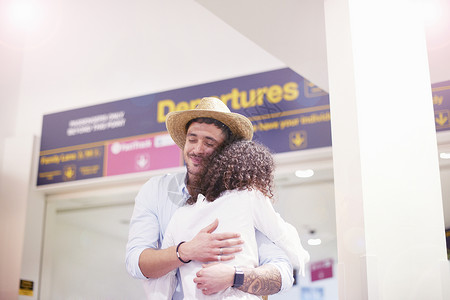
288, 113
127, 136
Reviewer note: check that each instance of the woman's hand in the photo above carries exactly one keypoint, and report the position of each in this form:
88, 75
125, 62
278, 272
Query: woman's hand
214, 277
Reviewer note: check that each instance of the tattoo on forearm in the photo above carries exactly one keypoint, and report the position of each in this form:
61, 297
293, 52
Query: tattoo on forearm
264, 280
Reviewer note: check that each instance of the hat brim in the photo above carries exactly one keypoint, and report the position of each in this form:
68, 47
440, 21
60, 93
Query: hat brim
176, 122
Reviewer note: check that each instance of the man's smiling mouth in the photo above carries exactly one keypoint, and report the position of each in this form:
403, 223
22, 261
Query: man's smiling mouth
196, 159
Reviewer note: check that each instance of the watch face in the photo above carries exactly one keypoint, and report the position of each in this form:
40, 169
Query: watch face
238, 278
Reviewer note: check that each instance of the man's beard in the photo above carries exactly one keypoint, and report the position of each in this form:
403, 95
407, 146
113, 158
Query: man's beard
196, 170
194, 180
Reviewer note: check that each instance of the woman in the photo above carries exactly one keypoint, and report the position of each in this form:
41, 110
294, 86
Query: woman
237, 189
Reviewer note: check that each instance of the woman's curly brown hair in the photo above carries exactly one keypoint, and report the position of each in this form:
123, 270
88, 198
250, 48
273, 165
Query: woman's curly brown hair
241, 165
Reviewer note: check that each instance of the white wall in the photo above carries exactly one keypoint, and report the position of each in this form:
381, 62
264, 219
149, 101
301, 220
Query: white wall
10, 75
14, 192
316, 200
316, 203
90, 265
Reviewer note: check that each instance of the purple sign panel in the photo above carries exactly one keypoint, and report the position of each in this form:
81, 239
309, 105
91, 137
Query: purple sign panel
441, 102
69, 165
447, 239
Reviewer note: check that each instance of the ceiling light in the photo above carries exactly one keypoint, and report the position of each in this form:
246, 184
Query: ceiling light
23, 14
445, 155
304, 173
314, 242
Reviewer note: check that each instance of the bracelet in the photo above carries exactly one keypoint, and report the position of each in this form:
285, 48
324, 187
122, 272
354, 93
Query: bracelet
178, 254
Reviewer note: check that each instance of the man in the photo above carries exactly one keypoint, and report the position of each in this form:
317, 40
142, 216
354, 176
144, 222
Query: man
198, 133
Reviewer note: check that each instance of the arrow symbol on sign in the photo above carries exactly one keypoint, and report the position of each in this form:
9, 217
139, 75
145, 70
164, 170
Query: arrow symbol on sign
69, 172
442, 119
142, 161
297, 140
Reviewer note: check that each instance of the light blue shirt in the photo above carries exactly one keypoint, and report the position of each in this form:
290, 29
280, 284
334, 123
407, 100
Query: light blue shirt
155, 204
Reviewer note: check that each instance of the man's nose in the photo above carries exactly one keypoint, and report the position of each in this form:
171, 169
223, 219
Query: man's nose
199, 148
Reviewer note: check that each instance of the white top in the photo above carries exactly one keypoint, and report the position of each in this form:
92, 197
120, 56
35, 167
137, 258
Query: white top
237, 211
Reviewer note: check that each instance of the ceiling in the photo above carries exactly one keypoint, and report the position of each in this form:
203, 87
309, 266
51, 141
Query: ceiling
294, 32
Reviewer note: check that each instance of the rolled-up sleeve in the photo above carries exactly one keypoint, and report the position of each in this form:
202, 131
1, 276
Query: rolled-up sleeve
144, 231
269, 253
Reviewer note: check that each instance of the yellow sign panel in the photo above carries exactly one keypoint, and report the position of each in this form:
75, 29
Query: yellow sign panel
26, 287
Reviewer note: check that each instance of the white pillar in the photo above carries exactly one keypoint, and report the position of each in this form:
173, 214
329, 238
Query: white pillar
14, 191
390, 227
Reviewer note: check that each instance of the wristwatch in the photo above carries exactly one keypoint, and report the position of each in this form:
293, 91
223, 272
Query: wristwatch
238, 277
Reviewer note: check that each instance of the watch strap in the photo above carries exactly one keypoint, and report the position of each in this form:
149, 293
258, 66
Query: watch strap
238, 277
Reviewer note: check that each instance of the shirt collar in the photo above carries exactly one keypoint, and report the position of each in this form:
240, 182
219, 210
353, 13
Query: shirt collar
183, 188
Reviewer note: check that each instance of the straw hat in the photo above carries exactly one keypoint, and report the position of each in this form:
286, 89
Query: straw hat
208, 107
